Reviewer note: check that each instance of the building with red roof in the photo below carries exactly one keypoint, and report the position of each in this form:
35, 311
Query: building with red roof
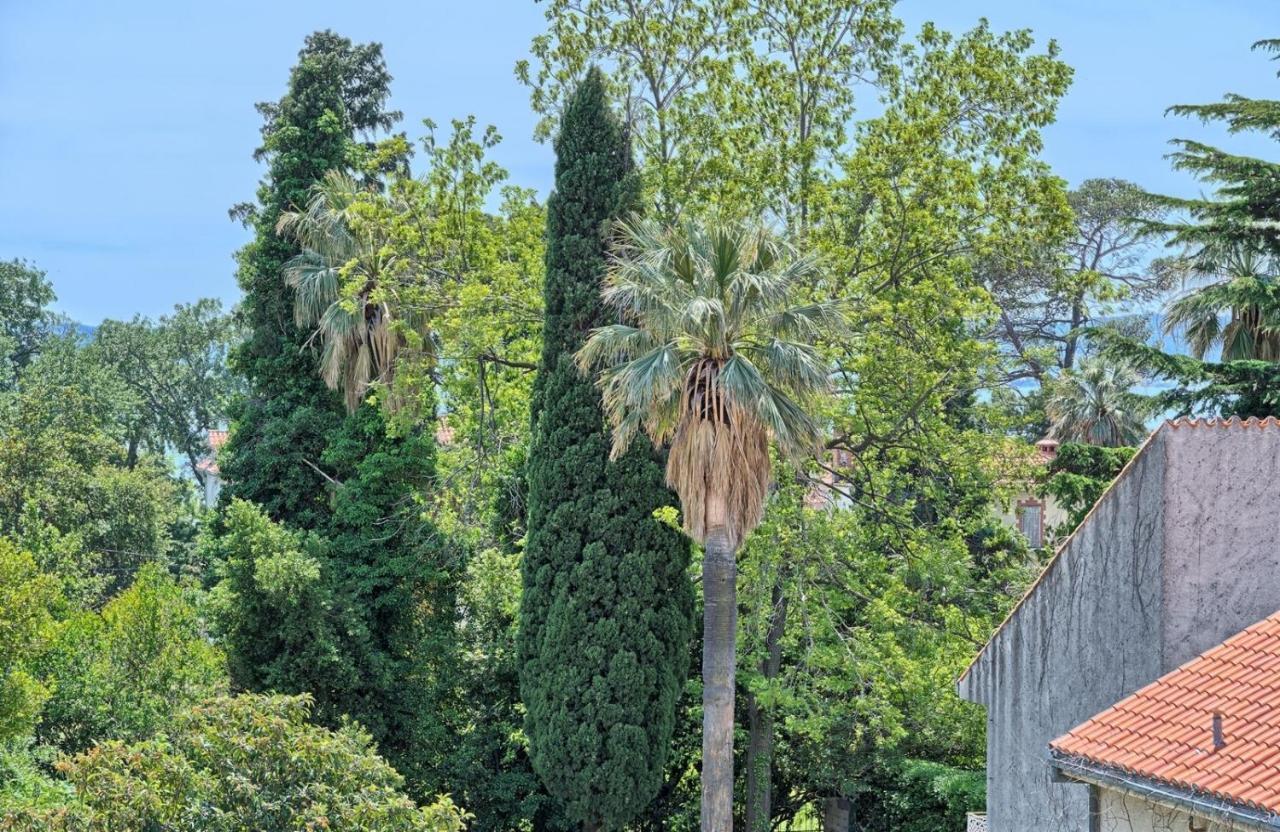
208, 467
1180, 554
1199, 748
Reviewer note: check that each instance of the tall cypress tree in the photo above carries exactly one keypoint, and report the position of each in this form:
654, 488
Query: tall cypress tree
606, 614
336, 90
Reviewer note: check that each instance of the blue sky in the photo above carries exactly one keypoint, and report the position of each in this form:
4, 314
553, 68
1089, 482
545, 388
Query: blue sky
126, 128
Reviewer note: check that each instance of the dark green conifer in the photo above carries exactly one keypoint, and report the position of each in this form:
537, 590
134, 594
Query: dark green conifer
606, 614
336, 91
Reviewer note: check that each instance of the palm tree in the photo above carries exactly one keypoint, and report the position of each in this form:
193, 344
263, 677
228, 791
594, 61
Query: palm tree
345, 281
1246, 290
1095, 403
712, 356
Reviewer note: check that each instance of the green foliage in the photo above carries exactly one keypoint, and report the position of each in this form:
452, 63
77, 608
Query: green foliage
661, 58
1095, 403
489, 771
1100, 268
27, 600
336, 90
67, 491
870, 645
920, 796
340, 280
1230, 237
245, 763
1240, 388
737, 107
274, 609
484, 296
1244, 212
606, 611
1079, 475
175, 372
125, 672
26, 783
394, 584
361, 617
25, 319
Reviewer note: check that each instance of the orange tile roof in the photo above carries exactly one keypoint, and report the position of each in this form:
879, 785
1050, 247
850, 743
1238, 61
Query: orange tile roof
217, 438
1164, 732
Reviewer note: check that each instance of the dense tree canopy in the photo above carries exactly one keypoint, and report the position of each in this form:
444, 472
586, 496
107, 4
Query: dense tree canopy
428, 597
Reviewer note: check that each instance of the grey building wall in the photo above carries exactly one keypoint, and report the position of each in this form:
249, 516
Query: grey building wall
1181, 553
1087, 634
1222, 518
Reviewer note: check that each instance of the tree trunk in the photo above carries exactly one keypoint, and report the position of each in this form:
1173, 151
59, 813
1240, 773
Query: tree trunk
719, 634
131, 453
760, 722
835, 814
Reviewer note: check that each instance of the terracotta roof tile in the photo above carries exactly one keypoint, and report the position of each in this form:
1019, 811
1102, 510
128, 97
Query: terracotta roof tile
1164, 732
217, 438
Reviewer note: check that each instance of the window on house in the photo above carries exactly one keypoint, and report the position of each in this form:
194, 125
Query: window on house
1031, 523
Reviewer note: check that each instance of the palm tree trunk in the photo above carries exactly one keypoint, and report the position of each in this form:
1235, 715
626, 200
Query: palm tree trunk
719, 634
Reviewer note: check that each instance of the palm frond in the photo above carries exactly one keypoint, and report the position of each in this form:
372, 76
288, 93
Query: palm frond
713, 354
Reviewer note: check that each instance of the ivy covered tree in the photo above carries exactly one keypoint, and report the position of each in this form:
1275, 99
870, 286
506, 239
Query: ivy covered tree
337, 90
395, 586
606, 613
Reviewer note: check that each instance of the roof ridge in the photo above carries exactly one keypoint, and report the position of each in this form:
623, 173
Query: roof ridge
1220, 422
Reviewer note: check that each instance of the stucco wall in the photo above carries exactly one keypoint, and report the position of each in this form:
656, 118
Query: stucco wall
1222, 534
1126, 813
1086, 635
1182, 553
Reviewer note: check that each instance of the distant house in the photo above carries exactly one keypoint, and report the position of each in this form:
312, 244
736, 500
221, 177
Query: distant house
1182, 552
824, 494
1197, 749
208, 468
1035, 516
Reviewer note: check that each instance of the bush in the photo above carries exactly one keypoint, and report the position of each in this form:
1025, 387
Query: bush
920, 796
248, 762
26, 626
123, 673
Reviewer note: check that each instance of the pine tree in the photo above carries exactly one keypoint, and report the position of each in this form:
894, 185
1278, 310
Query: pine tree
1238, 225
1245, 211
336, 90
606, 613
